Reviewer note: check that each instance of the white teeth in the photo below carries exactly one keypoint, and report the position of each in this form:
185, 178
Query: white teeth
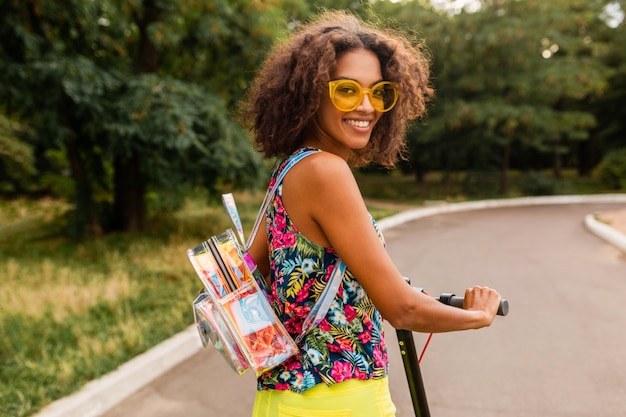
359, 123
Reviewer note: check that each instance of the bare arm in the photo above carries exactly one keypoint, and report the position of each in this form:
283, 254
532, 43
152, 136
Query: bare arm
324, 201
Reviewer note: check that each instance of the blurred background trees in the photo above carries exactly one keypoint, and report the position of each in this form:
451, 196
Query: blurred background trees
129, 100
126, 106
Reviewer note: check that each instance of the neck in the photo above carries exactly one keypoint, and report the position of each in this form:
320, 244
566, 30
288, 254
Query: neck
316, 137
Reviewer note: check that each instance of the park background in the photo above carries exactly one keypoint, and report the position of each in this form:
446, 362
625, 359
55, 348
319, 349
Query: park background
119, 131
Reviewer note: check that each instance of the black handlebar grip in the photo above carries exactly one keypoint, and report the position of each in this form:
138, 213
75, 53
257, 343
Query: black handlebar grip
454, 301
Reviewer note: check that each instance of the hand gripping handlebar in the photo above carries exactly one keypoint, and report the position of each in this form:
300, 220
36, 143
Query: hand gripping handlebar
454, 301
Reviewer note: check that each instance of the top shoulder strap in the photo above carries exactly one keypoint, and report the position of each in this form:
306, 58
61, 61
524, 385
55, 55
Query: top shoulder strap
290, 162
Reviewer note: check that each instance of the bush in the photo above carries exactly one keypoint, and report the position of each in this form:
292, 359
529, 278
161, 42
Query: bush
481, 184
612, 169
537, 183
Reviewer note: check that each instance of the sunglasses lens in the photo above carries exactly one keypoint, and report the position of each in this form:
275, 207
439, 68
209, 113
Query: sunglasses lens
347, 95
384, 96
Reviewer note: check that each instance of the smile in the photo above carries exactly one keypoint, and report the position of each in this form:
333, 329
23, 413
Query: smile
359, 123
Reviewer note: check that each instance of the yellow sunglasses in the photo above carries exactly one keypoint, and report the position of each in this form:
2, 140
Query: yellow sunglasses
347, 95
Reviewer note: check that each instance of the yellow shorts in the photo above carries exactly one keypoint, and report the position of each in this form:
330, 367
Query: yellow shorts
350, 398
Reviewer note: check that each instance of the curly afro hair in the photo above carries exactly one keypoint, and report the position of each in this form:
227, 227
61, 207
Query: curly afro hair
294, 77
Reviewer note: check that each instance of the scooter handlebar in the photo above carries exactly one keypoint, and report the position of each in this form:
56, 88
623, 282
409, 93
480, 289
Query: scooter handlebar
454, 301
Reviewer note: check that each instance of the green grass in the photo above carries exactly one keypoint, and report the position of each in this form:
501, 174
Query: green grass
71, 312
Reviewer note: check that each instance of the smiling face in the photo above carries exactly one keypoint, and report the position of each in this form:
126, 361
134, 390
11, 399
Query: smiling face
337, 131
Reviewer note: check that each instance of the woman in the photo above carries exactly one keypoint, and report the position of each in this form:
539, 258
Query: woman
347, 90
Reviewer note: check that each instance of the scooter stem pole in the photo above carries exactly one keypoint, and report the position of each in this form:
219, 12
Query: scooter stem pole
412, 370
413, 373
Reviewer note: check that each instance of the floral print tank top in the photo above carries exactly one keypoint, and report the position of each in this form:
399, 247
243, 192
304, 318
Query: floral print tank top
349, 342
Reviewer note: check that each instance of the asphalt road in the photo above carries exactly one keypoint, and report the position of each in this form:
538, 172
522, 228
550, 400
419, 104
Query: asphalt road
561, 351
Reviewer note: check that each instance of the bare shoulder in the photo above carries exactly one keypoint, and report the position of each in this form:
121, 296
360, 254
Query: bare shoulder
323, 170
320, 194
325, 180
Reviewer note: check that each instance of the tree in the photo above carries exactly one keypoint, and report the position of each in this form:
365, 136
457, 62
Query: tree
140, 94
513, 78
610, 108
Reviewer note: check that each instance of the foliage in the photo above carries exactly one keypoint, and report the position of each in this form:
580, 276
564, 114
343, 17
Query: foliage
612, 169
17, 159
103, 82
157, 116
538, 183
396, 188
515, 80
611, 107
480, 184
147, 90
498, 93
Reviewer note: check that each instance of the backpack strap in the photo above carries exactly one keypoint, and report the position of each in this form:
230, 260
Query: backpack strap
294, 159
231, 208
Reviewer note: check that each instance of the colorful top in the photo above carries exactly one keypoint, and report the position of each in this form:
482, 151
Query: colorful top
349, 342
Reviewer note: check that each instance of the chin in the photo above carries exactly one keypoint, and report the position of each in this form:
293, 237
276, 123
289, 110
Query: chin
360, 144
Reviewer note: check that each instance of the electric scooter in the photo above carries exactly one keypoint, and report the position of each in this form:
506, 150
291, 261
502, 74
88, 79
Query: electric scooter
410, 359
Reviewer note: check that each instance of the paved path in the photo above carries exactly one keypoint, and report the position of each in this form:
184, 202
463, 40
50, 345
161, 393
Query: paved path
561, 351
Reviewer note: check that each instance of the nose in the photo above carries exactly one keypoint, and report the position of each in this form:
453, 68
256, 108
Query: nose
366, 103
